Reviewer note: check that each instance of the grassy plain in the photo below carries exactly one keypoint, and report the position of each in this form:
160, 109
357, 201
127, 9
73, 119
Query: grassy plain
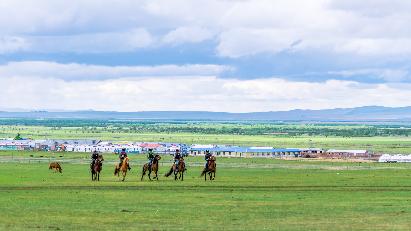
248, 194
379, 144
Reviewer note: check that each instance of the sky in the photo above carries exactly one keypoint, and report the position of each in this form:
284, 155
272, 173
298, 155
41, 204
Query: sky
204, 55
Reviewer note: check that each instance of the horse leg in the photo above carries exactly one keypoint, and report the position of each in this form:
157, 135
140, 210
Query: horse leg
98, 176
124, 176
143, 173
149, 174
182, 175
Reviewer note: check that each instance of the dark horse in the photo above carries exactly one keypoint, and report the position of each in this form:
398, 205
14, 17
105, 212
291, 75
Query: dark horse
178, 170
96, 168
154, 168
211, 169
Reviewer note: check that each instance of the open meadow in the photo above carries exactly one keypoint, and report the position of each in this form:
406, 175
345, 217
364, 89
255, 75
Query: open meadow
248, 194
380, 138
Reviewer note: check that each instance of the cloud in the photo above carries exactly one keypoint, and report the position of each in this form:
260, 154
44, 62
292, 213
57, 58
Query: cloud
125, 41
75, 71
242, 28
9, 44
187, 35
386, 74
195, 93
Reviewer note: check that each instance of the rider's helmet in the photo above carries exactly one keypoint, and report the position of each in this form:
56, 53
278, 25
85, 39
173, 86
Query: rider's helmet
177, 150
150, 149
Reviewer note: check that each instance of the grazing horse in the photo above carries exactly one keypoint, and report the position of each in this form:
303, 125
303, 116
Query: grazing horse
123, 168
56, 166
211, 169
154, 168
178, 170
96, 168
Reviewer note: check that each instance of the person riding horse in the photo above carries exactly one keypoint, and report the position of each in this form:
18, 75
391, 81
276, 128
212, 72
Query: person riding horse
207, 157
123, 155
94, 157
177, 157
150, 157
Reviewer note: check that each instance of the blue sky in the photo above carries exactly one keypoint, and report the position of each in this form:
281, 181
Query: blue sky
214, 55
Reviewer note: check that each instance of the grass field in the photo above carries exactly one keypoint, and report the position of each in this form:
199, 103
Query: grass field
248, 194
378, 144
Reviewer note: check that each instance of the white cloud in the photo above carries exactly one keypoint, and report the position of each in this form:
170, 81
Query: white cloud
9, 44
187, 35
92, 43
370, 28
75, 71
386, 74
195, 93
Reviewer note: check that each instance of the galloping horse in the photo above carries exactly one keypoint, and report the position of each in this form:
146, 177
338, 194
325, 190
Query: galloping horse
123, 168
178, 170
154, 168
56, 166
211, 169
96, 168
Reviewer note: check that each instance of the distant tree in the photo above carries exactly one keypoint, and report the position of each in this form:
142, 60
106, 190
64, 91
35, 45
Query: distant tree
18, 137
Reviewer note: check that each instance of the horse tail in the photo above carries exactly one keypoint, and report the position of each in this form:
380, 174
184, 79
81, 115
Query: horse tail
145, 168
116, 169
169, 172
204, 172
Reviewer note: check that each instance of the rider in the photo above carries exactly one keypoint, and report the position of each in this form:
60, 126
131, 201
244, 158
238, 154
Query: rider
177, 157
207, 157
150, 157
123, 155
94, 157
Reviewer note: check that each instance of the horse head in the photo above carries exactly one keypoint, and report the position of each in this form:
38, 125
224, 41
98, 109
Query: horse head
157, 157
100, 157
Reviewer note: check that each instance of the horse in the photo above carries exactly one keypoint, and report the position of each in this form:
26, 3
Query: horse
96, 168
154, 168
56, 166
123, 168
211, 169
178, 170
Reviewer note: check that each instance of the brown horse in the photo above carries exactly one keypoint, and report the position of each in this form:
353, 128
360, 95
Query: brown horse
178, 170
56, 166
123, 168
211, 169
96, 168
154, 168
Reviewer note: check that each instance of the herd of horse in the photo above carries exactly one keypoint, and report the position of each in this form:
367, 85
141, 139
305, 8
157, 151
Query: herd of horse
121, 170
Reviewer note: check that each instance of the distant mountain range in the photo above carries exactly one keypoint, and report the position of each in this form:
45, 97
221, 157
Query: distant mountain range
368, 113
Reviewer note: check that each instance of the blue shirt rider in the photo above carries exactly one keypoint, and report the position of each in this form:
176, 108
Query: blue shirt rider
150, 156
207, 157
122, 156
177, 157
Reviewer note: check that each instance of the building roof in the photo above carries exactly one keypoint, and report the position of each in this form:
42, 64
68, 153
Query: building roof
244, 149
150, 145
348, 151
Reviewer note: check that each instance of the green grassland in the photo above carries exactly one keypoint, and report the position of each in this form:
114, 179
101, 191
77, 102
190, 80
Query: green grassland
378, 144
248, 194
